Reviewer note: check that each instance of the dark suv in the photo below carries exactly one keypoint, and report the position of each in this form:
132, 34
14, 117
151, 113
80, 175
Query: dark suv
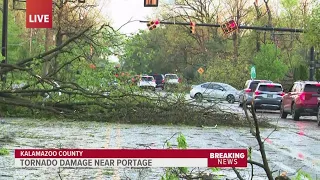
159, 80
250, 87
302, 99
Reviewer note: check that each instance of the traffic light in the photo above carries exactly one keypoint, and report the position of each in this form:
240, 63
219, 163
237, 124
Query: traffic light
151, 3
192, 27
229, 27
152, 24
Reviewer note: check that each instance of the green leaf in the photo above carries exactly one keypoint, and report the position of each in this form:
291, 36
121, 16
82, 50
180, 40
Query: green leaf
182, 143
168, 144
215, 169
183, 169
250, 153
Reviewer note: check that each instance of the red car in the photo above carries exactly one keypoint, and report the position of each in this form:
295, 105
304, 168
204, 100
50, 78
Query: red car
302, 99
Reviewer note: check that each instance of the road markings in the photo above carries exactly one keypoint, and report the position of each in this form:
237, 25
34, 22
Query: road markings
108, 135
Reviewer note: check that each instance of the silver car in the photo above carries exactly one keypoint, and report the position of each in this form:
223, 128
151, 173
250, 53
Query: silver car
214, 90
247, 93
268, 96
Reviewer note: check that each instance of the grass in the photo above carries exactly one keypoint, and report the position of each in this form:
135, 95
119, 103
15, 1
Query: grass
4, 152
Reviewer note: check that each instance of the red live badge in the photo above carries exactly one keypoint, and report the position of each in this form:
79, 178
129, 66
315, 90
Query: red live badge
39, 14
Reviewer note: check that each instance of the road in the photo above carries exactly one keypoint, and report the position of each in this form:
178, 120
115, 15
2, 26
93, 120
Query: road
294, 145
298, 142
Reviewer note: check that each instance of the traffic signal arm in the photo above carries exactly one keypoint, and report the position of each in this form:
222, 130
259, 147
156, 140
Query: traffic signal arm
295, 30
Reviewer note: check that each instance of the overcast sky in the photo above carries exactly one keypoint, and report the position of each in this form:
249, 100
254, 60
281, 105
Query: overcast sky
121, 11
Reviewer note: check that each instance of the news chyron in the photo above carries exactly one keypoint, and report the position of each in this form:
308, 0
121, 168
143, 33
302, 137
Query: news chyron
131, 158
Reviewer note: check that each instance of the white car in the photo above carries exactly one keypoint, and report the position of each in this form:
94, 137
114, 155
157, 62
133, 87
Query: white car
171, 79
147, 82
214, 90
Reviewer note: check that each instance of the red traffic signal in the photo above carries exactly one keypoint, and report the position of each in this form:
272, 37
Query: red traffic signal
153, 24
232, 25
151, 3
192, 27
229, 27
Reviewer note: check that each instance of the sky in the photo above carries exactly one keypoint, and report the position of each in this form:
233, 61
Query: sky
121, 11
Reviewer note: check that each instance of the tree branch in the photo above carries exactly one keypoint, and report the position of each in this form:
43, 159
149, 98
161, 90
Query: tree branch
42, 55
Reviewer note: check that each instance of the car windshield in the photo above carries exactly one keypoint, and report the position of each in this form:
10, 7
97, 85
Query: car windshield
254, 85
158, 77
147, 78
270, 88
311, 88
172, 76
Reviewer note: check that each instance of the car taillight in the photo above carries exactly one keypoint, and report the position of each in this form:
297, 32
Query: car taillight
162, 81
248, 90
270, 85
318, 85
302, 96
257, 92
282, 94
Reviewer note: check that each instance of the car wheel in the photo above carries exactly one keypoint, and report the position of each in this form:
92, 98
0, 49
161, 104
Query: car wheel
283, 115
198, 97
230, 98
318, 116
294, 113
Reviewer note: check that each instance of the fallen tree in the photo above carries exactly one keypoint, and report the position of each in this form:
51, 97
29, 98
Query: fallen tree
82, 87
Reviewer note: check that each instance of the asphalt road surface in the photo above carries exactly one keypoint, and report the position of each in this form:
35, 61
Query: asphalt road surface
293, 146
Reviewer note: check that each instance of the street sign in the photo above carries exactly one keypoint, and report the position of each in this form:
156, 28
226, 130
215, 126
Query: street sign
200, 71
253, 72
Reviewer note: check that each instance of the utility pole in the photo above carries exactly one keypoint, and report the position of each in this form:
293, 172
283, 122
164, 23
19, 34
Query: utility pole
273, 29
312, 64
4, 36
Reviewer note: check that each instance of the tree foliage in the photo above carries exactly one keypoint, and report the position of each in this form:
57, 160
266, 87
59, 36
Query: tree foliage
172, 48
313, 27
270, 64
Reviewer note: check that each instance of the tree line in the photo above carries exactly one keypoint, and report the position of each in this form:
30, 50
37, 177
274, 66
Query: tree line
276, 55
